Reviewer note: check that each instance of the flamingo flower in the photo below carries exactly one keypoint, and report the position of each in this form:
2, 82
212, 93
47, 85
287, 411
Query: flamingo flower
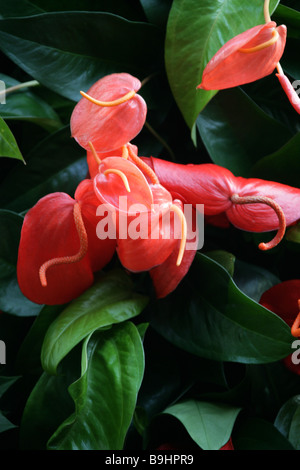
247, 57
284, 300
59, 249
151, 228
251, 204
110, 114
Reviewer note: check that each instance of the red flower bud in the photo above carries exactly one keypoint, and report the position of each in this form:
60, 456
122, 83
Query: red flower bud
247, 57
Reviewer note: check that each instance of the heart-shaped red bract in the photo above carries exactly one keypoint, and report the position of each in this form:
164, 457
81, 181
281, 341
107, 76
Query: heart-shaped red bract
109, 128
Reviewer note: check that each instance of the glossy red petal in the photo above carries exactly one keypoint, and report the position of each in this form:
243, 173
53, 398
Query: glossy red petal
282, 299
48, 232
109, 187
100, 251
109, 128
230, 67
150, 235
167, 276
213, 186
260, 217
207, 184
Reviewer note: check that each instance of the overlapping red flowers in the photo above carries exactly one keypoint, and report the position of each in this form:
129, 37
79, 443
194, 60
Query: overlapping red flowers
65, 240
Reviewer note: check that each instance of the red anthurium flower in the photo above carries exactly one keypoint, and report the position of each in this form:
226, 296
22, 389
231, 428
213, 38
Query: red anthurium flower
247, 57
100, 251
250, 204
164, 277
283, 299
151, 228
58, 251
110, 114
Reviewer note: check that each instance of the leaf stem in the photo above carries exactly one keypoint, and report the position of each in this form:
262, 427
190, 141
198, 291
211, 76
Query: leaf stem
29, 84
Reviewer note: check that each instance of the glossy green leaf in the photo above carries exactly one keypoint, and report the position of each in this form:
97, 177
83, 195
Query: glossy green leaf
289, 17
231, 125
29, 354
195, 319
224, 258
209, 424
48, 404
169, 374
105, 395
110, 300
46, 48
195, 32
157, 11
8, 145
288, 421
253, 280
11, 298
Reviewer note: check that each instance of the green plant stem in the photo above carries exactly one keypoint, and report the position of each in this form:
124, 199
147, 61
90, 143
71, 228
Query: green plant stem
31, 83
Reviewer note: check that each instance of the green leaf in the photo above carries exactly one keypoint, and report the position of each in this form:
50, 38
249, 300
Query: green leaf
293, 234
8, 145
5, 424
13, 8
29, 353
57, 163
289, 17
105, 395
231, 126
228, 326
259, 434
18, 8
195, 32
22, 104
169, 374
209, 424
49, 404
47, 49
253, 280
225, 259
6, 383
110, 300
157, 11
288, 421
282, 166
11, 298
